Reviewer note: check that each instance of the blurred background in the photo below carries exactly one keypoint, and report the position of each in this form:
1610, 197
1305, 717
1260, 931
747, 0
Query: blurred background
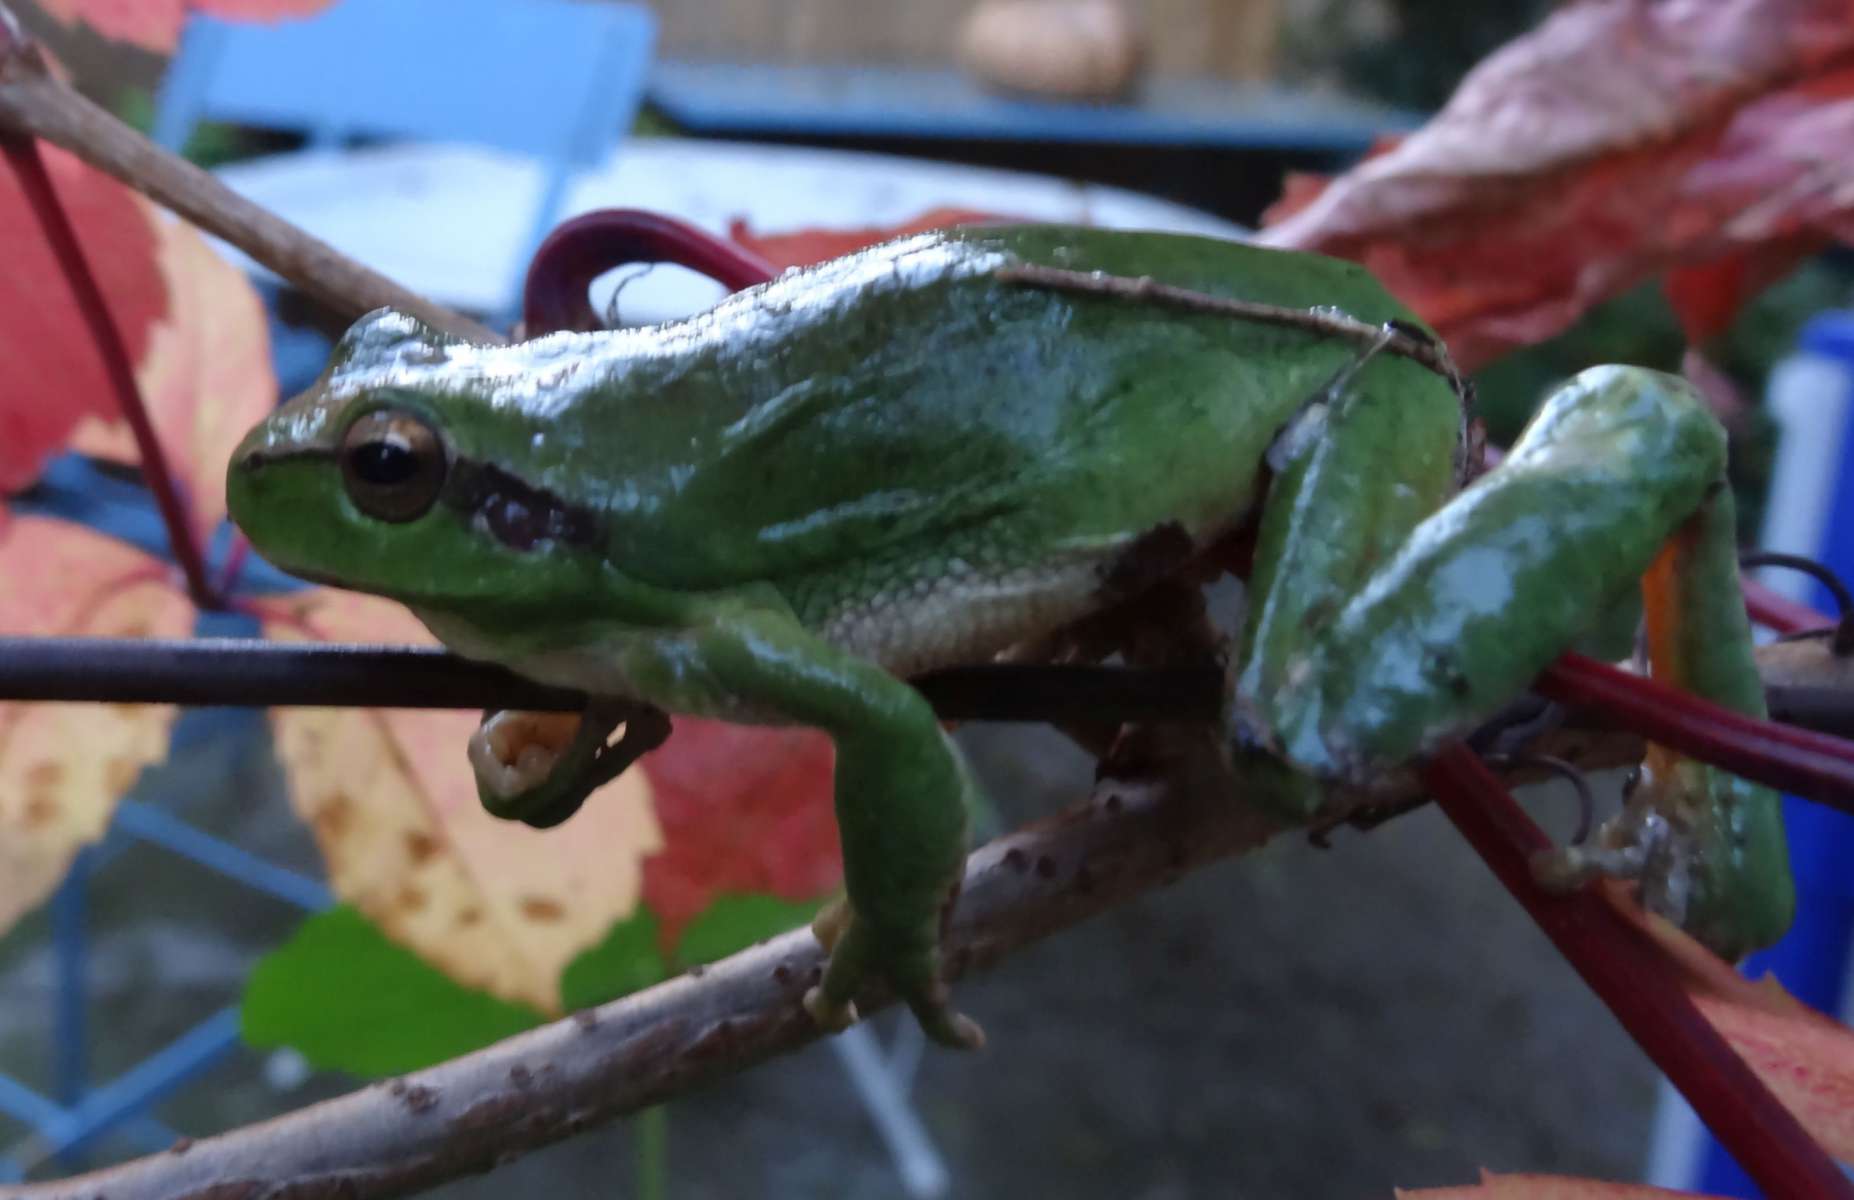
1298, 1022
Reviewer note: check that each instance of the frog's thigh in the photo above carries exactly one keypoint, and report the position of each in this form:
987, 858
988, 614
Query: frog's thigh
902, 794
1495, 584
1376, 461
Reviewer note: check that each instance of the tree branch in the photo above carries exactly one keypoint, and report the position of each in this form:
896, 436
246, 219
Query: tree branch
487, 1108
36, 103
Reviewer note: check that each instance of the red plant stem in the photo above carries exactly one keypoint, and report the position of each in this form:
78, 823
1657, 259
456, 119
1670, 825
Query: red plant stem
36, 182
582, 249
1773, 610
1813, 765
1635, 979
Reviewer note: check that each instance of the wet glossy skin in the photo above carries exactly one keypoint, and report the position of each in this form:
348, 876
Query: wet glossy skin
897, 461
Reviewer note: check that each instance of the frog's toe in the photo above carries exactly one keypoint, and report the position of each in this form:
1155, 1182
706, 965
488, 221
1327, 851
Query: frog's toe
531, 767
910, 966
942, 1022
832, 920
833, 1016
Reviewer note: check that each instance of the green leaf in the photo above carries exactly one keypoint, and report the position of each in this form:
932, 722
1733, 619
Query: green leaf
735, 922
626, 960
349, 999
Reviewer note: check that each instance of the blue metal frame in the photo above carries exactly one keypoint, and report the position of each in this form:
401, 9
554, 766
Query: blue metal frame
558, 80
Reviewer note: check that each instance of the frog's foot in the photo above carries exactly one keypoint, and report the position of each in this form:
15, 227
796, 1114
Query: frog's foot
910, 965
540, 767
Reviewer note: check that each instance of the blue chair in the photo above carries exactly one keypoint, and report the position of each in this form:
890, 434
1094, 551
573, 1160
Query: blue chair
558, 80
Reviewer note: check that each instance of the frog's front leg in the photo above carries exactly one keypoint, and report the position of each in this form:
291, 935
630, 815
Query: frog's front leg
1620, 476
902, 798
902, 792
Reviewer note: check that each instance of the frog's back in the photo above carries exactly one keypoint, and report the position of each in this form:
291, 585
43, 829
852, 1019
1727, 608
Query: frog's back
930, 462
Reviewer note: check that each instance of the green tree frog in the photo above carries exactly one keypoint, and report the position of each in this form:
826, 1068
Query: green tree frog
779, 510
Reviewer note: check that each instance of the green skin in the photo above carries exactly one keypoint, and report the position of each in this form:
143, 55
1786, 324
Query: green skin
778, 510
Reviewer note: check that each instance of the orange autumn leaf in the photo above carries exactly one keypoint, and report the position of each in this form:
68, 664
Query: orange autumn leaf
1543, 1187
1612, 144
1804, 1057
54, 374
64, 766
205, 376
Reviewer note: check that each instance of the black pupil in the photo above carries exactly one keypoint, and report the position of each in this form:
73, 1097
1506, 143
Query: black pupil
384, 462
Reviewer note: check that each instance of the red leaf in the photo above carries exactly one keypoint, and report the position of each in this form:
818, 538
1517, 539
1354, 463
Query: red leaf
807, 246
1615, 142
155, 24
1544, 1187
258, 10
763, 825
54, 376
151, 24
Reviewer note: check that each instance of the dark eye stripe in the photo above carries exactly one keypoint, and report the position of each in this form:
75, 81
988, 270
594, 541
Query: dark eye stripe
517, 514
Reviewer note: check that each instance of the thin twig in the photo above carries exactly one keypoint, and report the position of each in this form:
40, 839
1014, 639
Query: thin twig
490, 1107
36, 103
1427, 351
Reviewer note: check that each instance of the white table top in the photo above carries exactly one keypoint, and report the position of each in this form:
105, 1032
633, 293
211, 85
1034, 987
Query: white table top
450, 221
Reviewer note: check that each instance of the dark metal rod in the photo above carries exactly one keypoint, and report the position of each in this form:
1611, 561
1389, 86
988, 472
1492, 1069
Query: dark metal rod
246, 672
251, 673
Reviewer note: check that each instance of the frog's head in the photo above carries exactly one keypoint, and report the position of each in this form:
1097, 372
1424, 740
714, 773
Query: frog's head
392, 475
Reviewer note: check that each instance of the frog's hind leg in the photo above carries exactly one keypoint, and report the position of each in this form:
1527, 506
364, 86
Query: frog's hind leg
1620, 476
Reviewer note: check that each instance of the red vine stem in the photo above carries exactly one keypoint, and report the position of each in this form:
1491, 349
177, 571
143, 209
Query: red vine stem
1813, 765
580, 250
35, 182
1773, 610
1637, 981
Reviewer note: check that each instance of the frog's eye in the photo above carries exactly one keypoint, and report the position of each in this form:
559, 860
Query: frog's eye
393, 465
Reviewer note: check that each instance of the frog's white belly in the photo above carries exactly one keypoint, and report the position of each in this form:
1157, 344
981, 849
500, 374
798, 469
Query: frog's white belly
955, 616
963, 614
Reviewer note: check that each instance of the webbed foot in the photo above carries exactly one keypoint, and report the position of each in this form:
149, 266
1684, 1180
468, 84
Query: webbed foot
1684, 842
539, 768
909, 964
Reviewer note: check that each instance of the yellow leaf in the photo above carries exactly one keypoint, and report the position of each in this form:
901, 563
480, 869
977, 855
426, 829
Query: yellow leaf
64, 766
206, 376
389, 793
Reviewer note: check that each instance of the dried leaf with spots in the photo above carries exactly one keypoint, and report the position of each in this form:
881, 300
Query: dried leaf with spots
1614, 143
1543, 1187
64, 766
54, 375
494, 904
205, 376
